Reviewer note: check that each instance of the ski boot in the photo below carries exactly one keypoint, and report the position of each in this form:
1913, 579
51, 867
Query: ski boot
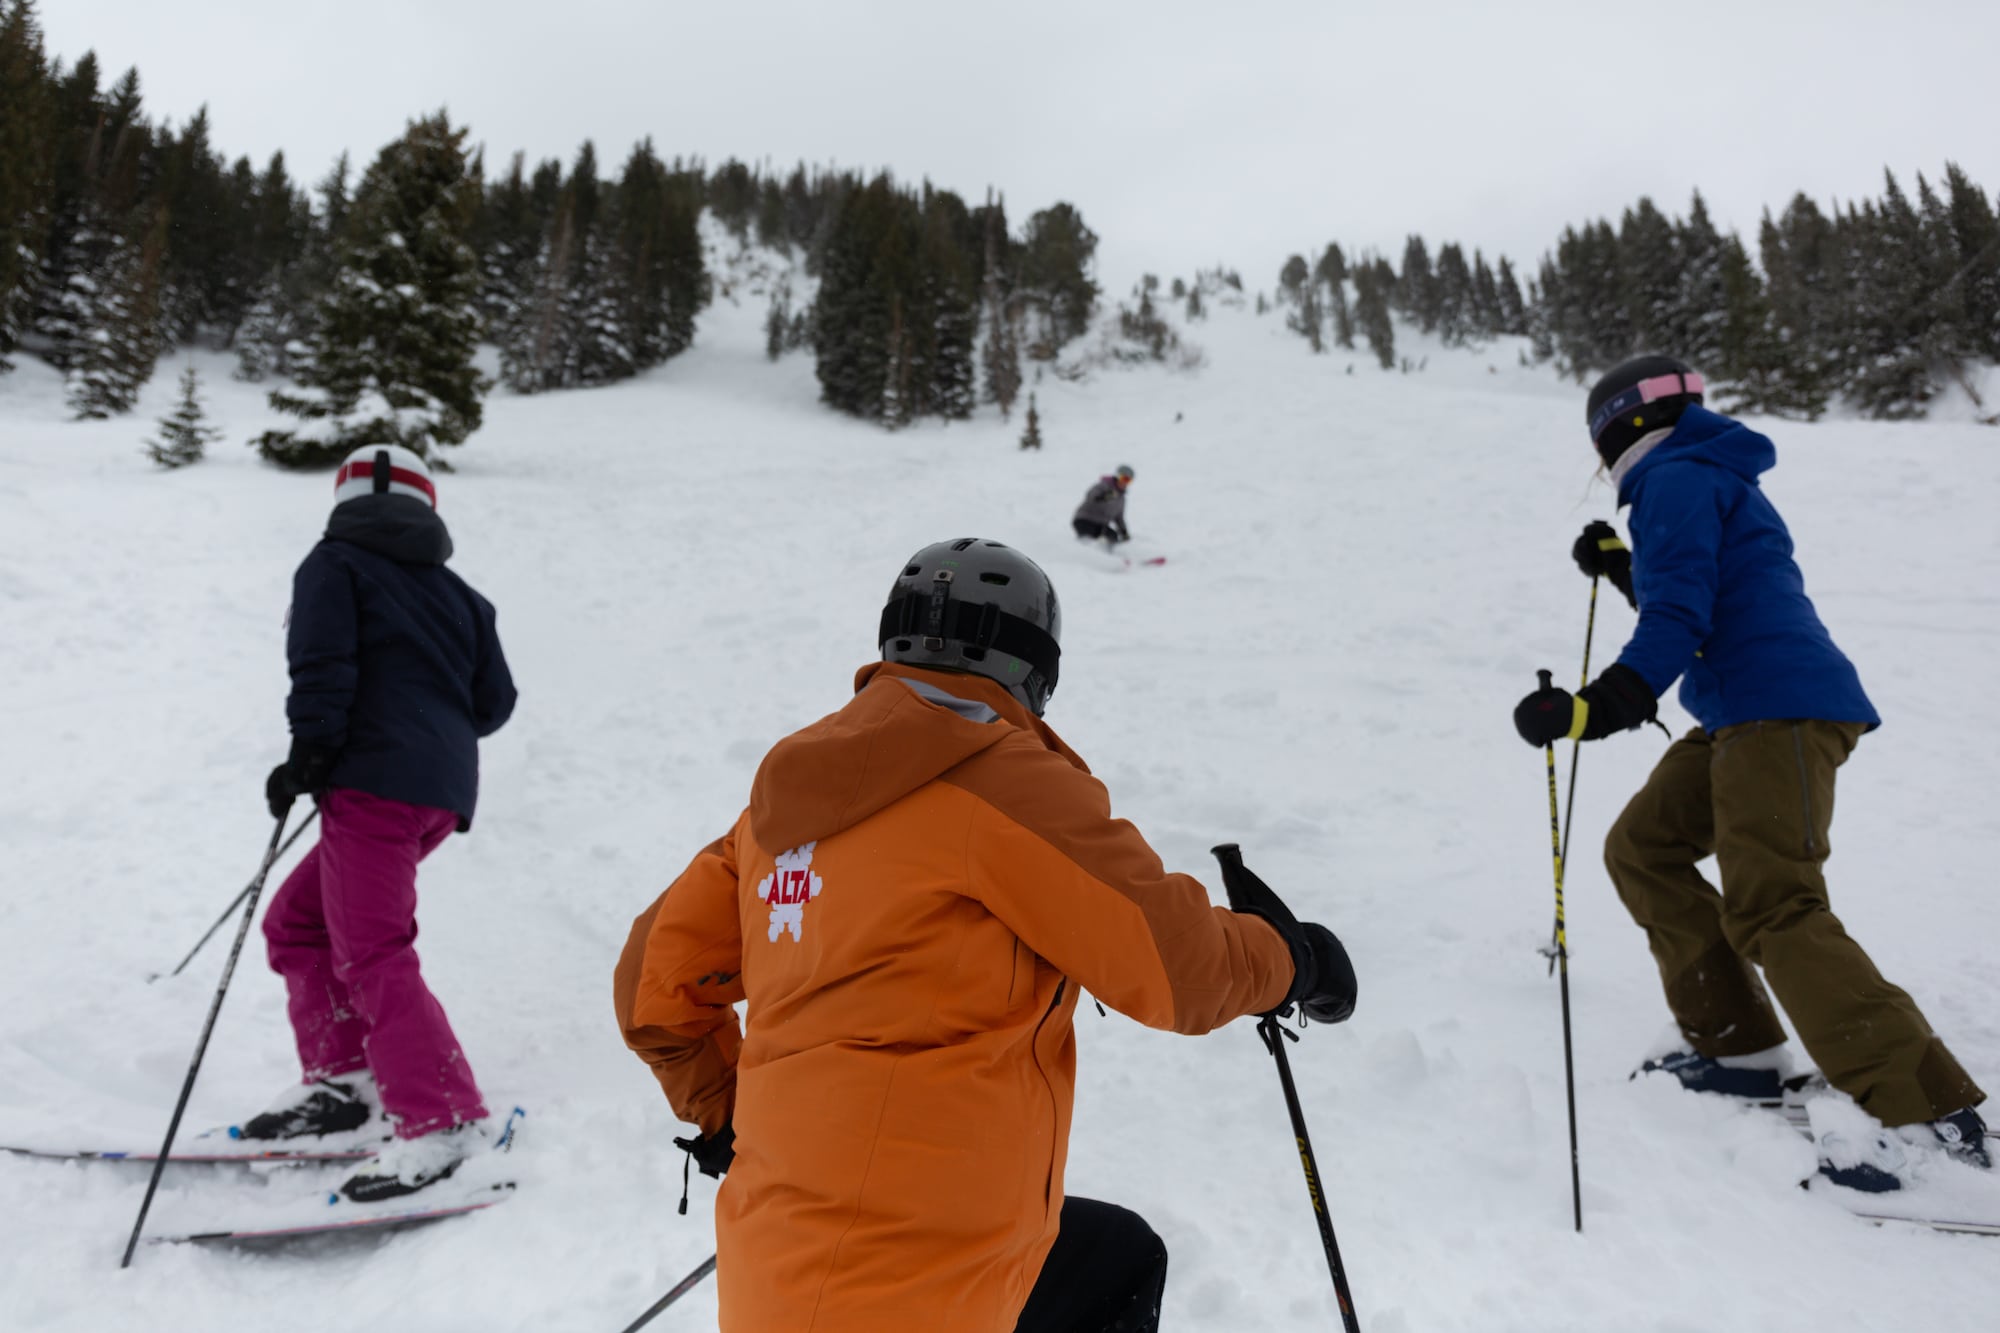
336, 1105
409, 1165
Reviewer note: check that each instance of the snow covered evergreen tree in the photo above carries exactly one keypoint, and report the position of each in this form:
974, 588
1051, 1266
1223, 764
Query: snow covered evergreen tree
26, 167
117, 305
1031, 438
184, 432
391, 356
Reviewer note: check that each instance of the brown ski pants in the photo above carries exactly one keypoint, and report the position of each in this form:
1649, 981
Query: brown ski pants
1759, 798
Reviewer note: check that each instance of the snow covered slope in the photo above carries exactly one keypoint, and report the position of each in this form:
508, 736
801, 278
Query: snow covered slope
1365, 571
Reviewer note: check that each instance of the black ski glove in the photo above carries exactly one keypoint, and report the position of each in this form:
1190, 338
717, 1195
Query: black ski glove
1330, 998
1322, 976
713, 1154
1600, 552
304, 773
1618, 700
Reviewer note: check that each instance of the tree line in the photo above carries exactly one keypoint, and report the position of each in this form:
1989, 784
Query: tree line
1879, 303
364, 297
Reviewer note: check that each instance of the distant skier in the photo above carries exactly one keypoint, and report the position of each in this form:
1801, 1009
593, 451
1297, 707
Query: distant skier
1722, 607
1101, 516
922, 885
396, 674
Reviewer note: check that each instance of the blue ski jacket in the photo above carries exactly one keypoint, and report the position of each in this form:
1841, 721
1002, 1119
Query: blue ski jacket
395, 660
1722, 604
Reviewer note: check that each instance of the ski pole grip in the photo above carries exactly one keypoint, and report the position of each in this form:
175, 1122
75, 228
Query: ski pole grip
1230, 857
1546, 677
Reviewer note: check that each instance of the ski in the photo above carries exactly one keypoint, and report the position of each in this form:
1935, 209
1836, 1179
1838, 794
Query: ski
214, 1148
1950, 1226
345, 1219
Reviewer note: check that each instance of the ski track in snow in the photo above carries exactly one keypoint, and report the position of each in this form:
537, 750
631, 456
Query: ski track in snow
1365, 572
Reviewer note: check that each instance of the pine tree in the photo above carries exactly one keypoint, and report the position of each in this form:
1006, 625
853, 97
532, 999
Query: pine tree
1371, 312
1031, 438
1513, 310
1415, 291
391, 359
120, 323
184, 432
1054, 275
1974, 288
1751, 356
1292, 278
1453, 296
1195, 310
1699, 299
1486, 318
1648, 275
1002, 352
1894, 379
1306, 317
1797, 252
776, 323
27, 183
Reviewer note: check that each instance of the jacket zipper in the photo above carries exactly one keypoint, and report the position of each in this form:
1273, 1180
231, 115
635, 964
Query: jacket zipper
1055, 1117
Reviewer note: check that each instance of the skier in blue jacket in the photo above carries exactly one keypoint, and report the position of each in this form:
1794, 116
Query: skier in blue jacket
1723, 608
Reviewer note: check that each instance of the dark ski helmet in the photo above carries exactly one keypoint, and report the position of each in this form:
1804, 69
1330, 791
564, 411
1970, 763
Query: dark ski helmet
979, 607
1637, 398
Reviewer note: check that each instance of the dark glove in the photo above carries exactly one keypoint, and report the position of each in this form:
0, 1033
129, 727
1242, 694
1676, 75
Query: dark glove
1332, 995
1600, 552
712, 1154
304, 773
1618, 700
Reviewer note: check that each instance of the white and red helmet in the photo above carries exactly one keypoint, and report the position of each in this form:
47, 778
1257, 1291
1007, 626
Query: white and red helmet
384, 469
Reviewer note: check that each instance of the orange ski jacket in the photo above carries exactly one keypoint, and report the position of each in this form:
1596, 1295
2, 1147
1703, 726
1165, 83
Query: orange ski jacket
918, 889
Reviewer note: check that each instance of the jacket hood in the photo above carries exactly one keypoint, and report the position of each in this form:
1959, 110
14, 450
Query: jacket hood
905, 727
1706, 437
402, 527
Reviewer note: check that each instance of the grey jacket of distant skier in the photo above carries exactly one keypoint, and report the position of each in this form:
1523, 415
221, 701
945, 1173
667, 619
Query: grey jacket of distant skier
1104, 503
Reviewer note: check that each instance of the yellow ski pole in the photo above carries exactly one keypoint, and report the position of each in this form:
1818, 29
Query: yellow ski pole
1562, 963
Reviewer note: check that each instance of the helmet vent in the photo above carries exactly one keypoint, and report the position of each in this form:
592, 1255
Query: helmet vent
991, 577
963, 542
912, 571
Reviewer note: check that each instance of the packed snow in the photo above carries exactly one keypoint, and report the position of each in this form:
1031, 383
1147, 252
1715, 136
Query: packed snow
1364, 571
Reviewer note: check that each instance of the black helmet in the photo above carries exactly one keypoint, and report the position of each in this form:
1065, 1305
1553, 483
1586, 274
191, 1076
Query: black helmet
979, 607
1636, 398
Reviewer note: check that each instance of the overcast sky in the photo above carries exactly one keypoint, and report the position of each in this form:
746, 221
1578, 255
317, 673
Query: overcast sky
1188, 133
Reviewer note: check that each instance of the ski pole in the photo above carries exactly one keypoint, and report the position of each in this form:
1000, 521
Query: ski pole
1275, 1035
1547, 679
230, 910
201, 1047
1575, 753
680, 1289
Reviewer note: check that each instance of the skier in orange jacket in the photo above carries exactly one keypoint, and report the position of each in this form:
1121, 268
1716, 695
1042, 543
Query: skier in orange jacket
920, 886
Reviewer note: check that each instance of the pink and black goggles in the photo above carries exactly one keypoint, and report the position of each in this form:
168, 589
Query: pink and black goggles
1673, 385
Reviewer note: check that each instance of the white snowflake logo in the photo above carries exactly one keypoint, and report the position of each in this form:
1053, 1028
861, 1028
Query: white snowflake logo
788, 889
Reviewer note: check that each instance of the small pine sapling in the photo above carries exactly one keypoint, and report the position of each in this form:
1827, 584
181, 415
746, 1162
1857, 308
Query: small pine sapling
184, 432
1032, 437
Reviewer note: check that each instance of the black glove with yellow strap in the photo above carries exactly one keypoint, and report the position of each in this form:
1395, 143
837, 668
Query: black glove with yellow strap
1600, 552
1618, 700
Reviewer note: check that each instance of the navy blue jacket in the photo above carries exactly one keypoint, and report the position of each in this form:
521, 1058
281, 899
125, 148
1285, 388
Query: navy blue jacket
1722, 605
395, 661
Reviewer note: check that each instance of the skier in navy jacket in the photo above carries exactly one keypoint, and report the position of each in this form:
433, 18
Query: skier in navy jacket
396, 675
1723, 609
